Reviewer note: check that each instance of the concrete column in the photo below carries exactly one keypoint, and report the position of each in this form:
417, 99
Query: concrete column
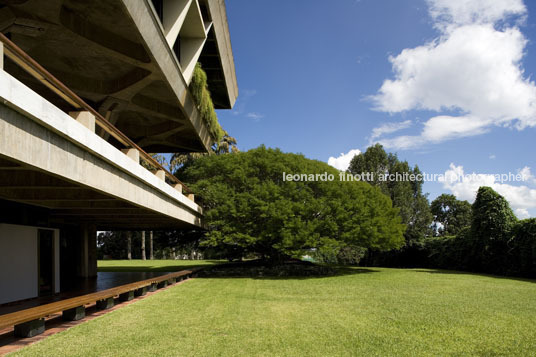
161, 174
92, 251
1, 55
191, 196
134, 154
142, 245
129, 245
87, 257
151, 256
178, 187
85, 118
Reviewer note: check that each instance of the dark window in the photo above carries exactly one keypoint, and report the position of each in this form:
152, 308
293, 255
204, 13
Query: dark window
177, 48
204, 12
159, 7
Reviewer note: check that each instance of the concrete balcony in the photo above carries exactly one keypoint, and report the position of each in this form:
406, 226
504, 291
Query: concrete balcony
59, 167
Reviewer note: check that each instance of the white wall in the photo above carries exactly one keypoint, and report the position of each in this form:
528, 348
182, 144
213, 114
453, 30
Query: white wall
18, 262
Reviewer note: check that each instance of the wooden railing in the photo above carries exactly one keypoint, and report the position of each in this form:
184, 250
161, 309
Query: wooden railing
22, 59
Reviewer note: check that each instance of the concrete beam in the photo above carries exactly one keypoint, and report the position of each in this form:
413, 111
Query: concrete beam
150, 32
132, 153
220, 24
174, 14
178, 187
63, 194
190, 51
85, 118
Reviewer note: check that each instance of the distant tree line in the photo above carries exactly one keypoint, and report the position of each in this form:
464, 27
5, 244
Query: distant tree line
450, 233
174, 244
494, 242
252, 212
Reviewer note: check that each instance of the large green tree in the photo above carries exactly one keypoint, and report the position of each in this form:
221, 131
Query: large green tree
450, 214
491, 229
405, 193
251, 208
493, 218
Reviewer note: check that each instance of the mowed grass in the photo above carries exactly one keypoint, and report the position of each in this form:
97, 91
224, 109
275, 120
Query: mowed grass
368, 312
151, 265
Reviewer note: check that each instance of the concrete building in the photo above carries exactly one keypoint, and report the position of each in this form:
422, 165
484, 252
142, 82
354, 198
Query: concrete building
87, 88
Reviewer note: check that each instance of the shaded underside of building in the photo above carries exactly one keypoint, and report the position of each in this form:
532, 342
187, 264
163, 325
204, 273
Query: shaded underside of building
64, 174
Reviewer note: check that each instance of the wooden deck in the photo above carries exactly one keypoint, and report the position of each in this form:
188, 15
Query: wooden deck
42, 311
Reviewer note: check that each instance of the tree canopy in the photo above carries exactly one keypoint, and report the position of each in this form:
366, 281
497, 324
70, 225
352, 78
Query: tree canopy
250, 208
493, 218
450, 214
406, 194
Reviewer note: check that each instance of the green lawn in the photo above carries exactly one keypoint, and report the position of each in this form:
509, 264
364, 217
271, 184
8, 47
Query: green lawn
151, 265
382, 312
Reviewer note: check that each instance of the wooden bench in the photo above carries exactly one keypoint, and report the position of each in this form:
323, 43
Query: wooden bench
30, 322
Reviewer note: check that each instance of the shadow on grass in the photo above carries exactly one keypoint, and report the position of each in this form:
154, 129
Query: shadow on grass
460, 272
156, 268
335, 271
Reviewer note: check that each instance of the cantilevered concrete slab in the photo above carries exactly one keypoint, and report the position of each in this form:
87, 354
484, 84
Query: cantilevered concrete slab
52, 162
130, 62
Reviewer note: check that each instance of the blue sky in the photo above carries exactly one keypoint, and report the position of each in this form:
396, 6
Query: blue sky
454, 76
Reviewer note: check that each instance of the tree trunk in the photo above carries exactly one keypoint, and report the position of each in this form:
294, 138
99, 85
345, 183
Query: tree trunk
142, 245
129, 245
151, 245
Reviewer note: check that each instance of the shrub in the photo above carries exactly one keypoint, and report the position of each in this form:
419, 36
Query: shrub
344, 255
522, 249
201, 94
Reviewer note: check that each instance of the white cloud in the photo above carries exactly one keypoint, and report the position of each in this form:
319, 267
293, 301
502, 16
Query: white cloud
438, 129
473, 69
255, 116
388, 128
521, 198
492, 157
446, 13
343, 160
527, 175
522, 213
